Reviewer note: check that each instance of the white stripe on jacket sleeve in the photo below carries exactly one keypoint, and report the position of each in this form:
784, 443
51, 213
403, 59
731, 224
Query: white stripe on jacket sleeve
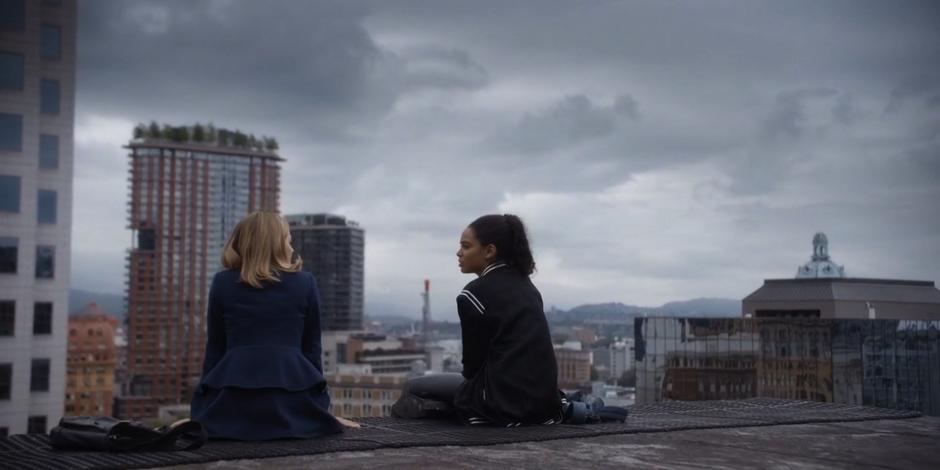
473, 300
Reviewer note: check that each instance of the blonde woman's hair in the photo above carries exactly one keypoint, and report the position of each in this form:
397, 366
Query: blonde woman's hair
259, 247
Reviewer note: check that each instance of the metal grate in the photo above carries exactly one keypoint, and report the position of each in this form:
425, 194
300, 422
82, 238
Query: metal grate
32, 451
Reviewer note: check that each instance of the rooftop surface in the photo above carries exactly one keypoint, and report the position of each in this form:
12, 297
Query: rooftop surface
882, 444
753, 433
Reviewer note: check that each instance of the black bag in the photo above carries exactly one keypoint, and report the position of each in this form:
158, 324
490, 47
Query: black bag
110, 434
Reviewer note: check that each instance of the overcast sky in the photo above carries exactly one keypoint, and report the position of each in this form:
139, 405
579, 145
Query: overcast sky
657, 150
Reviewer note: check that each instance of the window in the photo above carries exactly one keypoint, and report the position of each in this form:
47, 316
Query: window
146, 239
46, 213
51, 46
8, 254
11, 71
39, 376
9, 193
11, 132
36, 425
45, 262
12, 14
6, 380
42, 318
7, 317
49, 101
48, 151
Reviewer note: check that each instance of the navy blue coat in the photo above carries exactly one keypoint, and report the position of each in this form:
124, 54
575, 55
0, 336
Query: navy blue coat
263, 377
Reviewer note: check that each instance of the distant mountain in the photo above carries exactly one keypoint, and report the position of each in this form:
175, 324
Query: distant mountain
613, 312
112, 304
704, 307
616, 312
612, 308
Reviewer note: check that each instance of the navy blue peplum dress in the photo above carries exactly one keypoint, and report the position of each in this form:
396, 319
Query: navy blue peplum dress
263, 377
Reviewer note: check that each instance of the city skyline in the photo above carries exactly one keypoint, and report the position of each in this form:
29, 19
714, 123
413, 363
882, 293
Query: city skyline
654, 157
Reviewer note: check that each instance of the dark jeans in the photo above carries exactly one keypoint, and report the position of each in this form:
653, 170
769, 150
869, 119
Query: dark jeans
428, 396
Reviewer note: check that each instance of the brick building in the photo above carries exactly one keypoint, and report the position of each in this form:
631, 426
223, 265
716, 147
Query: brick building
574, 365
92, 358
188, 189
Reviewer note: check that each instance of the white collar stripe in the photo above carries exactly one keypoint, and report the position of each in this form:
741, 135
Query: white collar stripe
472, 302
492, 267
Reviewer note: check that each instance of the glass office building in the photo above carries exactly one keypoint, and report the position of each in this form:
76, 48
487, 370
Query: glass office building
333, 249
885, 363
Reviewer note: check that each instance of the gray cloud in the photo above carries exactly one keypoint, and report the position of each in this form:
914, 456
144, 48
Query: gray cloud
441, 68
640, 140
313, 64
919, 87
787, 121
844, 111
568, 122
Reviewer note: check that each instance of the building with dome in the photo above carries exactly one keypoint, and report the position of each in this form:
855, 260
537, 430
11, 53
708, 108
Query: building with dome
820, 265
822, 290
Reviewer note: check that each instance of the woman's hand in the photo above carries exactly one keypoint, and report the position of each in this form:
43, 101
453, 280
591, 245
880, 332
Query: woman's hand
347, 423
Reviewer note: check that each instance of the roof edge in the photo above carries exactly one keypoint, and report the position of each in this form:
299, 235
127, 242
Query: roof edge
852, 280
206, 148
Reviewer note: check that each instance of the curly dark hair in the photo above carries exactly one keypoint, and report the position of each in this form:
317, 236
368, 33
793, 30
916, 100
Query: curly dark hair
507, 233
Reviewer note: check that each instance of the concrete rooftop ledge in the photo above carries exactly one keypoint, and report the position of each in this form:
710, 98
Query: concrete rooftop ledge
731, 434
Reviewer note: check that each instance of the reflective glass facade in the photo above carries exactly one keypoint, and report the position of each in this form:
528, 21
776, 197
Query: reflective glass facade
886, 363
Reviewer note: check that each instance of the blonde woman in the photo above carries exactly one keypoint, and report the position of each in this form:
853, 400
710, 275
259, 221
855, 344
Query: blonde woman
263, 377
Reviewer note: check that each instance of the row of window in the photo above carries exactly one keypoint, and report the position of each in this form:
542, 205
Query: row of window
9, 257
46, 200
38, 377
42, 318
13, 17
11, 139
12, 78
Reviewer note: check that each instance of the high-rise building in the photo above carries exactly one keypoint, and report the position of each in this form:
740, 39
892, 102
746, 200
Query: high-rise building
333, 249
37, 115
188, 189
92, 358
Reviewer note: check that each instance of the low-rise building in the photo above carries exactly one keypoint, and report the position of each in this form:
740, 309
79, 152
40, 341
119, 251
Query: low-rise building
822, 290
574, 365
91, 361
364, 395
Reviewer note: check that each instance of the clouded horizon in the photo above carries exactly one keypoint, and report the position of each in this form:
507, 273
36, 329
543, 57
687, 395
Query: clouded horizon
656, 150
